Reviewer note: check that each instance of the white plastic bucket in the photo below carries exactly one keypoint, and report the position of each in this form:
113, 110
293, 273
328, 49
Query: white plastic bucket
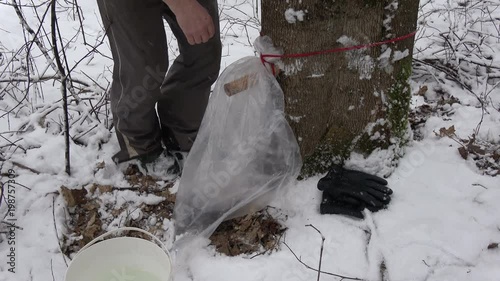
121, 259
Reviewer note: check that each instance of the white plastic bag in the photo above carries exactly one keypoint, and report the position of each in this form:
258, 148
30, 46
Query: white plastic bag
244, 152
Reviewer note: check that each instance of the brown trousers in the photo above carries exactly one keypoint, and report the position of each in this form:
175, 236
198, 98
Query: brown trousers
140, 80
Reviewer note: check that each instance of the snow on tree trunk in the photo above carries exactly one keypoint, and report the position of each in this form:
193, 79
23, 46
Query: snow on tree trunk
356, 101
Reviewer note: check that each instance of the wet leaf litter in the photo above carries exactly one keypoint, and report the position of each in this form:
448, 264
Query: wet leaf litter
94, 209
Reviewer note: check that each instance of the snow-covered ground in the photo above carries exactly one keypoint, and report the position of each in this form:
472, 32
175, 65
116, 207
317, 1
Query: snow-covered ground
443, 216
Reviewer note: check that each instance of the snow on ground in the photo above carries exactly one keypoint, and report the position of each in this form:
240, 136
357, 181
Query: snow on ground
443, 215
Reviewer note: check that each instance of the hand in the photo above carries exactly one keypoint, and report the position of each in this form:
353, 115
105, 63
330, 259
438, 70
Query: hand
193, 19
352, 187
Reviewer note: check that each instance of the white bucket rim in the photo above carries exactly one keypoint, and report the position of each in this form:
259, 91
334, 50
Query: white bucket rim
114, 231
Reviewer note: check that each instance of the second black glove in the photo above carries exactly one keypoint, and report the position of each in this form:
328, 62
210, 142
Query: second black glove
349, 185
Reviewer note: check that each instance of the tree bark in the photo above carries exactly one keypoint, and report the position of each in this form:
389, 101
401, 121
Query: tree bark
355, 101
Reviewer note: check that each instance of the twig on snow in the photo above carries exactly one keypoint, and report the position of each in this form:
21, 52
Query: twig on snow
321, 251
52, 270
19, 165
319, 270
55, 228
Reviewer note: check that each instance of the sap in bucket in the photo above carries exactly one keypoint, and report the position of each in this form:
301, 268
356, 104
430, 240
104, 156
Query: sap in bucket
121, 259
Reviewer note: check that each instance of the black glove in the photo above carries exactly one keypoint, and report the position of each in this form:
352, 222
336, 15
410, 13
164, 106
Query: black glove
345, 205
330, 205
349, 192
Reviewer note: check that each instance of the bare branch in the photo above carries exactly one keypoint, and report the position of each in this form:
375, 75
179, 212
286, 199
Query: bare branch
63, 87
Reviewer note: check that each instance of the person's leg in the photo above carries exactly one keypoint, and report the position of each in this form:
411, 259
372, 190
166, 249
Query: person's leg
186, 88
137, 38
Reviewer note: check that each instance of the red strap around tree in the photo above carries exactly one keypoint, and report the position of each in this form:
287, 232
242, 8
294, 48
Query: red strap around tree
336, 50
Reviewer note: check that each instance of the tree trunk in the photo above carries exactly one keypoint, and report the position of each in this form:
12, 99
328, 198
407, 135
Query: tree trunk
355, 101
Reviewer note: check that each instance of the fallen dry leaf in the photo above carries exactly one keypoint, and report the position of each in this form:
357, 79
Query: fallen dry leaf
422, 91
496, 156
443, 132
105, 188
90, 206
73, 197
249, 234
463, 152
100, 165
493, 246
86, 223
476, 149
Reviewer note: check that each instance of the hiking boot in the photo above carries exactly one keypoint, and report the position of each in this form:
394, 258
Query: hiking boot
162, 167
150, 157
179, 157
122, 156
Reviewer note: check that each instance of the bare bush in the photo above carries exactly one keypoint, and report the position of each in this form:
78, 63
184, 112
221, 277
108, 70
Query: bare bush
456, 52
46, 60
464, 51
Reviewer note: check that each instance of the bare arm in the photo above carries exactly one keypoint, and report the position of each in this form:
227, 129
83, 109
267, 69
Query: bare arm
193, 19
